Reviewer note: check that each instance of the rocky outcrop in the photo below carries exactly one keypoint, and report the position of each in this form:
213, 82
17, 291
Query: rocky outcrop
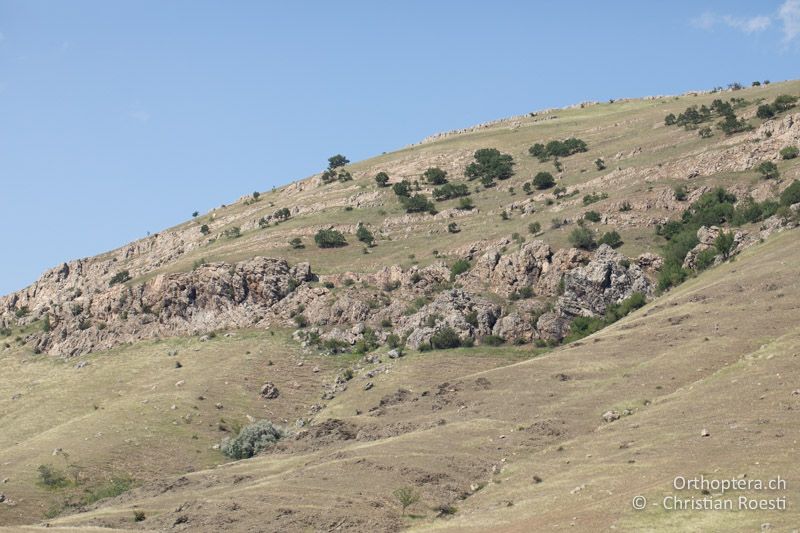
213, 296
607, 279
534, 265
469, 315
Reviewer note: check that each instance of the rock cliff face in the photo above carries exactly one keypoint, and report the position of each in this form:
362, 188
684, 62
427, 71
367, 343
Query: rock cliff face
79, 315
217, 295
607, 279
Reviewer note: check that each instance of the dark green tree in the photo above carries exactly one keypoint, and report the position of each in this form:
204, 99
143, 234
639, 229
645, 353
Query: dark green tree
543, 180
382, 179
435, 176
337, 161
329, 238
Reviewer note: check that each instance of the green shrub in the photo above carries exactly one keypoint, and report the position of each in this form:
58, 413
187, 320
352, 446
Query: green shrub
459, 267
791, 195
492, 340
329, 238
592, 216
138, 516
233, 233
625, 207
364, 235
534, 228
445, 338
622, 309
600, 164
705, 259
790, 152
582, 238
251, 439
465, 204
406, 496
204, 229
768, 170
452, 228
393, 341
594, 197
543, 180
52, 478
705, 133
296, 243
724, 243
111, 489
765, 111
680, 192
611, 238
120, 277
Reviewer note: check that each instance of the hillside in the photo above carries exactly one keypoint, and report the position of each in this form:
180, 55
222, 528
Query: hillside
498, 358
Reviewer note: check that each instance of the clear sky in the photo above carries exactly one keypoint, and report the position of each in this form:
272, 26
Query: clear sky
119, 118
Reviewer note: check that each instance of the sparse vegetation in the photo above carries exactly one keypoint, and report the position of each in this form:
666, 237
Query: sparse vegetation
583, 326
444, 339
120, 277
592, 216
251, 440
407, 497
611, 238
582, 238
768, 170
459, 267
233, 233
51, 477
790, 152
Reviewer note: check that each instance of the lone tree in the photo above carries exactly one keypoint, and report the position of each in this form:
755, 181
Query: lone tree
329, 238
382, 179
435, 176
337, 161
407, 496
543, 180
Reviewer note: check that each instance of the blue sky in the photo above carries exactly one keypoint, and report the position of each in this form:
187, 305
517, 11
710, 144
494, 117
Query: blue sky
119, 118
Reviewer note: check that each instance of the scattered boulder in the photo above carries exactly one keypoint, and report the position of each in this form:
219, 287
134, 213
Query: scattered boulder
269, 391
